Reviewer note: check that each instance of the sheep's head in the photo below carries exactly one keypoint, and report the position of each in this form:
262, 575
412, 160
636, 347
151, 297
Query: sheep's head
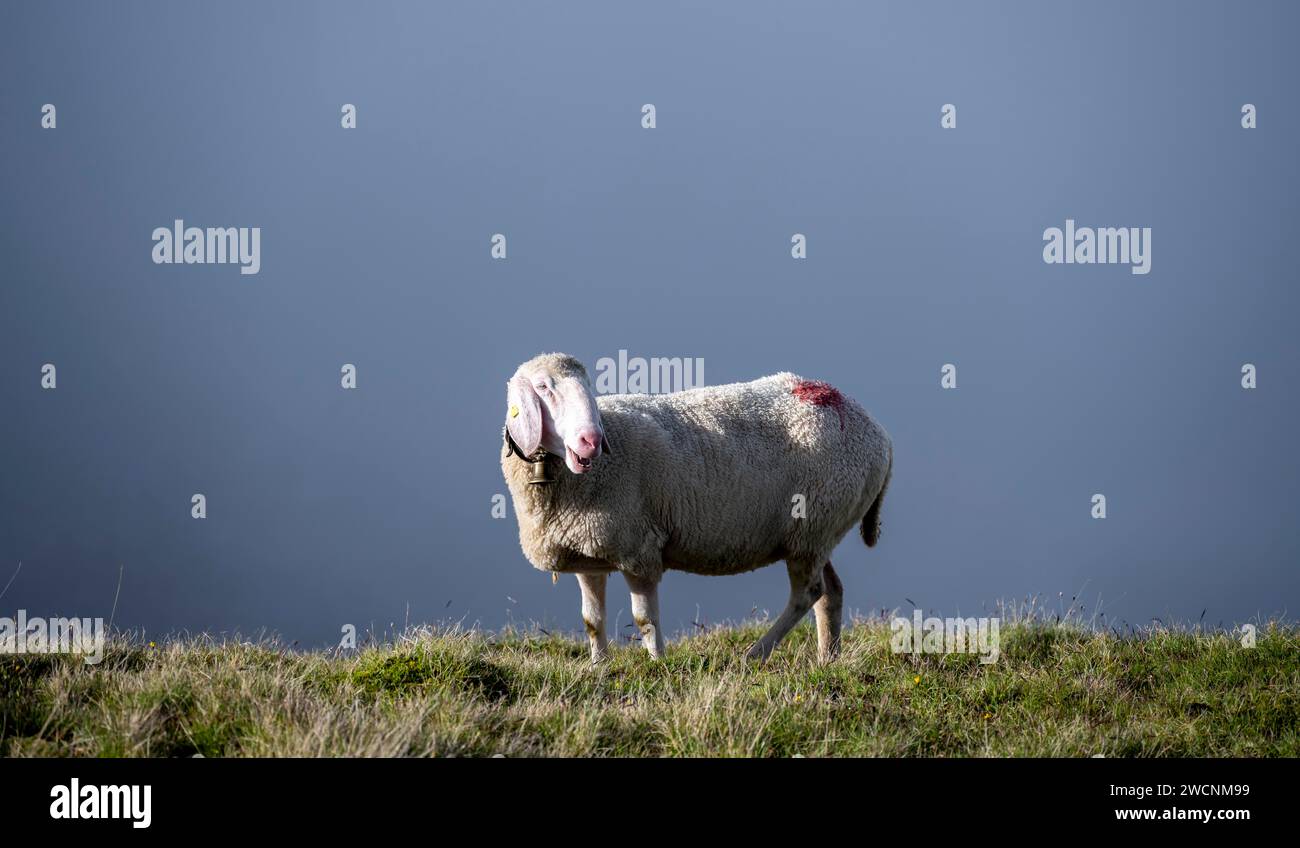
550, 404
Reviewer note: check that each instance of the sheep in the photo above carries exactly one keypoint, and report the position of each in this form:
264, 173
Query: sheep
706, 481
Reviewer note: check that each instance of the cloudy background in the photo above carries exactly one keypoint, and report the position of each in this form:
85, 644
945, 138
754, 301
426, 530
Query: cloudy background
373, 507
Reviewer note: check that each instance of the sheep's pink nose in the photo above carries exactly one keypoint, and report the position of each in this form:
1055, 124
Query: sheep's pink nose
588, 440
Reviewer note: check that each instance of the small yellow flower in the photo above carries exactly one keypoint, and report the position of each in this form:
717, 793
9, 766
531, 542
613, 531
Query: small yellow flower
988, 716
916, 679
798, 699
152, 645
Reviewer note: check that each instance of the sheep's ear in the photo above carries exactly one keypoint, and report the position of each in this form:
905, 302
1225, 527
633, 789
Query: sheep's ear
604, 445
523, 415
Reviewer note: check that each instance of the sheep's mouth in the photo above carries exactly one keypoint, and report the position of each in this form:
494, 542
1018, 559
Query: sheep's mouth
577, 464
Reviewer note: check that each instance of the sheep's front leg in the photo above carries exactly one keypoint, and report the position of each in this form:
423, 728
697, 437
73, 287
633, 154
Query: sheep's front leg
645, 612
830, 612
593, 614
805, 590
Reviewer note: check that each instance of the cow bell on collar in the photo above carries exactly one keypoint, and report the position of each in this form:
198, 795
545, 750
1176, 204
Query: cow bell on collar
538, 476
537, 461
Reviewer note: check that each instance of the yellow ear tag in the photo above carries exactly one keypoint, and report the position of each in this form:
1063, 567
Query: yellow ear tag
514, 411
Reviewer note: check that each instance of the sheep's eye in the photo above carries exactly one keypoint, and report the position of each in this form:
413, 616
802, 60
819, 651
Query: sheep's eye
543, 388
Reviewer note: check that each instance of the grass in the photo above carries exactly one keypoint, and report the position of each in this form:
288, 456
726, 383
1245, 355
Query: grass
1057, 690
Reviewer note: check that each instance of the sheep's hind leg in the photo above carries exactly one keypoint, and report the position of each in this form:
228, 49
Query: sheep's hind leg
593, 613
805, 590
829, 609
645, 612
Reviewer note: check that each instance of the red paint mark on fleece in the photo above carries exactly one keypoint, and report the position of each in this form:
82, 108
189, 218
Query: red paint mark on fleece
820, 394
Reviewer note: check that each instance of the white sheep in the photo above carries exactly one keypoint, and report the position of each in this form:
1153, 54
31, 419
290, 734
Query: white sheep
706, 480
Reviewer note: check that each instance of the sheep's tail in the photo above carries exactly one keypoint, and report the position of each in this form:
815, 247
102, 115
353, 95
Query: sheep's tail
871, 521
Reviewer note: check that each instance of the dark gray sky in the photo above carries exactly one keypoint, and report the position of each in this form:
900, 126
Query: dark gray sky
328, 507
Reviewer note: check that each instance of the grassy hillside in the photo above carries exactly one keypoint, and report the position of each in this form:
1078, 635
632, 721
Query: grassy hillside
1059, 691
